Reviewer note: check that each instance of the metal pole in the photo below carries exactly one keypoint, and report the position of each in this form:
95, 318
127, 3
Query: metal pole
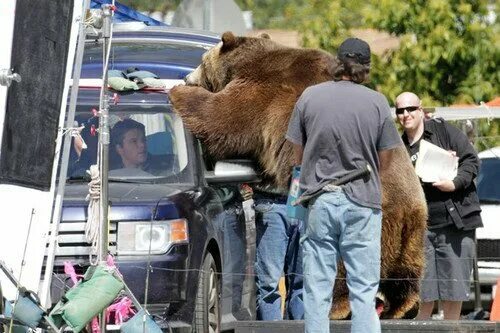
478, 305
207, 15
104, 139
56, 215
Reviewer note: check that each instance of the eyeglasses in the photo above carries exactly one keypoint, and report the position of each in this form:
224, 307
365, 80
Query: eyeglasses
408, 108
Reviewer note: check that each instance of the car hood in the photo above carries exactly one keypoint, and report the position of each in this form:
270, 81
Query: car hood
126, 192
490, 215
129, 201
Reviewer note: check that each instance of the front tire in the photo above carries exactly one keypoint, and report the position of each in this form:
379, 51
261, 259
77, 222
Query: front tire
207, 308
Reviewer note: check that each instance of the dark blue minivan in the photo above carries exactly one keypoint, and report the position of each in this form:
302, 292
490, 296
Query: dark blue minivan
182, 213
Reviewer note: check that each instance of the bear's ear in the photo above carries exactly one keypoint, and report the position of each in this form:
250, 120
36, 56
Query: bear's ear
264, 35
228, 41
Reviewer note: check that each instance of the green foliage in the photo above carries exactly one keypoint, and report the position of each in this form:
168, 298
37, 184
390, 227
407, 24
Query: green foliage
488, 134
152, 5
266, 13
448, 52
323, 24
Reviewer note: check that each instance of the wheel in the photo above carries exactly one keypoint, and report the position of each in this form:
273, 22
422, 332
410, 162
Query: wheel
207, 308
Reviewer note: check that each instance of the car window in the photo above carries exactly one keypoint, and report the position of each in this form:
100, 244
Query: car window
177, 58
145, 146
488, 180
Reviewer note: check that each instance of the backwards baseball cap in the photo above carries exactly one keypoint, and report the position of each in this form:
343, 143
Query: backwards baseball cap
354, 49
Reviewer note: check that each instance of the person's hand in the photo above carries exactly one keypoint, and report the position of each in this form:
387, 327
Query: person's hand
246, 191
445, 185
78, 143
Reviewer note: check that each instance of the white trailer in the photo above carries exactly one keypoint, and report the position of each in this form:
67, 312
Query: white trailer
38, 40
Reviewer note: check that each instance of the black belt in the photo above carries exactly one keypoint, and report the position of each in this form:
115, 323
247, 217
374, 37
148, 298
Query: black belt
353, 175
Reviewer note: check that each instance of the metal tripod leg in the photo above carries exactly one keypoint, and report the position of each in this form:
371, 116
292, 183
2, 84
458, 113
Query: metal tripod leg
477, 286
478, 313
35, 301
129, 293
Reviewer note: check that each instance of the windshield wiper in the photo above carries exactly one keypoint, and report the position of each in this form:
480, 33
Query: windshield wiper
489, 201
131, 181
86, 179
78, 179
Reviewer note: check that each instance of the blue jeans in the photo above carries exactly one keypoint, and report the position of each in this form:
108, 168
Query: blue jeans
234, 259
278, 251
337, 228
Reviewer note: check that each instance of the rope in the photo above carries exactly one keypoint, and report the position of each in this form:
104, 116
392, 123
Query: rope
92, 227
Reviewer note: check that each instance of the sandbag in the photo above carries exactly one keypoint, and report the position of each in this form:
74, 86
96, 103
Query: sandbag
122, 84
87, 299
136, 324
27, 311
8, 312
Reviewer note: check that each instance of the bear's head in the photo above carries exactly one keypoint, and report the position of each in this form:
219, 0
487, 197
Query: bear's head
227, 59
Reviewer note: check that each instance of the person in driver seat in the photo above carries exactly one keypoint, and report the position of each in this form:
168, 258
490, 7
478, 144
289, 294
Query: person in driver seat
128, 145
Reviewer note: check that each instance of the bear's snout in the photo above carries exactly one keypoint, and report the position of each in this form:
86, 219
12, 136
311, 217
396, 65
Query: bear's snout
193, 78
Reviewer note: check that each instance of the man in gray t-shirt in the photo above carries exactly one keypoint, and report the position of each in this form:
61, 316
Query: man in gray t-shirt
336, 128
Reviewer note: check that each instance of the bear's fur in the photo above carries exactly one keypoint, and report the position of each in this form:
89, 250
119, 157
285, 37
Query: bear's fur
239, 102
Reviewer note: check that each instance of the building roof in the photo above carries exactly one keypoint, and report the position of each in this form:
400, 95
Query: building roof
379, 41
288, 38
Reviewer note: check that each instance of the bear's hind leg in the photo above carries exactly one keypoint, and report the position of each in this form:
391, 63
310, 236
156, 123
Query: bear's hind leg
340, 302
402, 288
402, 295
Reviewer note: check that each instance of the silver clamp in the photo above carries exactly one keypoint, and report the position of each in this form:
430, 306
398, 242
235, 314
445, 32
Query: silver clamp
7, 76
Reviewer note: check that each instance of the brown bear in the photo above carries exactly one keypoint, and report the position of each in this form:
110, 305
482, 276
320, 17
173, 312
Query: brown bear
239, 102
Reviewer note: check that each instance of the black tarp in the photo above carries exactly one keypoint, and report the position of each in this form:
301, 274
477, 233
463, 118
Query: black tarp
39, 52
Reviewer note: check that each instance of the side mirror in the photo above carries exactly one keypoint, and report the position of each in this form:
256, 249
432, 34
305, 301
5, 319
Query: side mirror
233, 171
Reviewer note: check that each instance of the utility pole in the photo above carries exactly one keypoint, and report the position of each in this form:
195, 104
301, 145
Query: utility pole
207, 14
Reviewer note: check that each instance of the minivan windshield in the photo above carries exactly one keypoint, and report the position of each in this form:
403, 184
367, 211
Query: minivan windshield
146, 145
488, 180
167, 60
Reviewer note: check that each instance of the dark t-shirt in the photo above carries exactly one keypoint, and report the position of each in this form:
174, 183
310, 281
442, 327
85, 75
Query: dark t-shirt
438, 213
413, 151
342, 125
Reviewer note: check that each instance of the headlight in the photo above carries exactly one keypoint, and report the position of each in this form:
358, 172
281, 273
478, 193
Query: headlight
156, 237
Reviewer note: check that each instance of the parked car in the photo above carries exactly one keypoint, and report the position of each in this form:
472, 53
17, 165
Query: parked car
176, 213
488, 237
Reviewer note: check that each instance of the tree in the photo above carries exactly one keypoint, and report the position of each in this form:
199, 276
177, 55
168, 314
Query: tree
267, 13
449, 50
323, 24
152, 5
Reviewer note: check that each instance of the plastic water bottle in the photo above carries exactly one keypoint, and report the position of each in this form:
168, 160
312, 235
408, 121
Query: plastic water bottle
299, 211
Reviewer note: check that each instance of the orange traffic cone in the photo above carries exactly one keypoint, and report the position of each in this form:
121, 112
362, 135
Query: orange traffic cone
495, 307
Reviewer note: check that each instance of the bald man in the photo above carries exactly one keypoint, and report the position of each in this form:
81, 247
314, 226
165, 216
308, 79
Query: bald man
454, 211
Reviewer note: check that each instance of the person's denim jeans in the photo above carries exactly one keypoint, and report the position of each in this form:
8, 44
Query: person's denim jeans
337, 228
278, 251
234, 258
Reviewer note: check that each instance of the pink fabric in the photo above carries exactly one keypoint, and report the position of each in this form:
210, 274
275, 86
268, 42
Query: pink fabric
122, 309
70, 271
96, 328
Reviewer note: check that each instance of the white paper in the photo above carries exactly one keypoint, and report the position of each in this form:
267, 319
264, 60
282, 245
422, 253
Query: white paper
435, 163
